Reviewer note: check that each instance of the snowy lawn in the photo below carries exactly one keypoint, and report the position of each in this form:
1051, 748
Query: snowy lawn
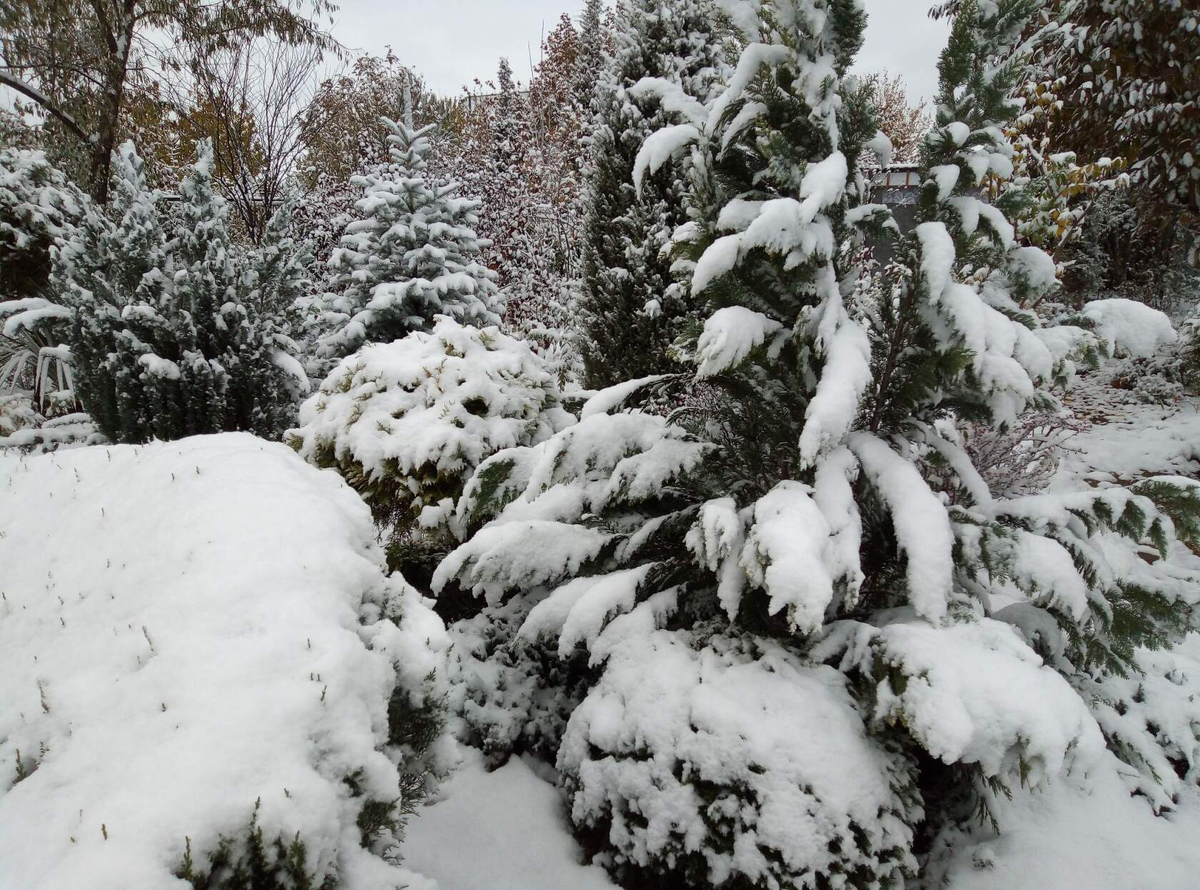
180, 638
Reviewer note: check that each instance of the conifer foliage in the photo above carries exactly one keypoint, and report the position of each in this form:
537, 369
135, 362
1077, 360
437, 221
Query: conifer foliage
174, 331
37, 206
412, 255
630, 310
789, 534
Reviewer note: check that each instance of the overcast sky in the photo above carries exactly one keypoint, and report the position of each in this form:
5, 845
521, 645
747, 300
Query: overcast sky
452, 42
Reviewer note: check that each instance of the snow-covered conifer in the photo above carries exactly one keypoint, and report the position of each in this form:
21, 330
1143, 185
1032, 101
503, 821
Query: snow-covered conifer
412, 255
630, 310
803, 515
406, 423
589, 62
166, 340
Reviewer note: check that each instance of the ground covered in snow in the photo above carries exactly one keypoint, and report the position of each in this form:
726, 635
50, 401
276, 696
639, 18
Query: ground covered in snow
500, 830
180, 644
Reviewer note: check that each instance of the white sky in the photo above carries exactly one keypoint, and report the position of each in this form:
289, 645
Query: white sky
452, 42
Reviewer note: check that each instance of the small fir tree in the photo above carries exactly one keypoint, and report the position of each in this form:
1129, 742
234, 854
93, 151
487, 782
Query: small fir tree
414, 254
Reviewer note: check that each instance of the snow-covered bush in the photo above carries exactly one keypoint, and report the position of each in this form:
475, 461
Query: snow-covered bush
702, 757
799, 508
1152, 719
412, 255
1023, 458
200, 650
510, 694
17, 413
407, 422
23, 428
177, 332
1129, 328
38, 206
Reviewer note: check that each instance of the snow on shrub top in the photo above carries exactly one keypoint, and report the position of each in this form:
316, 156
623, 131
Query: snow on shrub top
735, 761
1129, 327
424, 411
179, 638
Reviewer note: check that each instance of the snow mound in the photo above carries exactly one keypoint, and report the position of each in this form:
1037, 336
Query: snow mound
180, 637
1131, 328
1079, 832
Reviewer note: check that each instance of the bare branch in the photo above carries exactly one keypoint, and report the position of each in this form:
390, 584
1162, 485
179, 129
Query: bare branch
16, 83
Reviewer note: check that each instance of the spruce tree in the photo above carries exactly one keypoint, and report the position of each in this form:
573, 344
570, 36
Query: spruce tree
166, 339
630, 310
414, 254
794, 602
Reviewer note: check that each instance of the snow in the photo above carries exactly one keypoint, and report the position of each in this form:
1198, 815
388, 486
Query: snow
1036, 266
921, 522
28, 314
845, 374
718, 258
752, 58
946, 177
881, 146
659, 147
729, 336
716, 540
1131, 328
578, 610
1082, 831
976, 693
672, 96
180, 636
502, 830
937, 257
674, 739
613, 397
529, 553
785, 554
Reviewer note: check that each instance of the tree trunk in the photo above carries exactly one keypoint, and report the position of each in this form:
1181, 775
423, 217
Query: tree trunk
119, 38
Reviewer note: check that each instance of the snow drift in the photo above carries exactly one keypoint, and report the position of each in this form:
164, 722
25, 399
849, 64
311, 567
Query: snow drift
180, 638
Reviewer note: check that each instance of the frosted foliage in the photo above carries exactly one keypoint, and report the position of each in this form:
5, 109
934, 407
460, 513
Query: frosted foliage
729, 336
785, 555
507, 693
976, 693
601, 460
704, 761
197, 628
520, 554
921, 521
1152, 717
1007, 358
429, 408
660, 147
